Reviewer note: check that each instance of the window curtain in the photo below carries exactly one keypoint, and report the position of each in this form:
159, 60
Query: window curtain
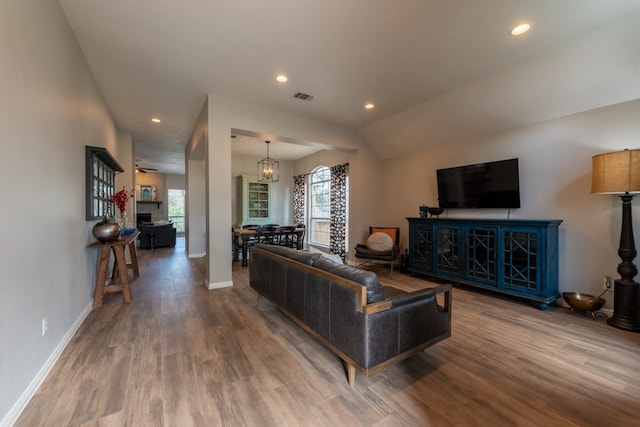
299, 189
338, 224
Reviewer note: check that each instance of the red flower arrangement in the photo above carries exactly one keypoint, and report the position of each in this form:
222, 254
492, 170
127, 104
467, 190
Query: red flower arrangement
122, 197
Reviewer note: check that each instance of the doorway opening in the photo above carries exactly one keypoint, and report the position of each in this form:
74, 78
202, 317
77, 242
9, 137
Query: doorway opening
176, 209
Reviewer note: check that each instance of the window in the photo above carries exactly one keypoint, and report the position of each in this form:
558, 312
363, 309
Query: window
320, 206
176, 209
101, 170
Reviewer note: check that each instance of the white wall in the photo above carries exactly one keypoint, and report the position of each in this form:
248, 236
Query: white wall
196, 186
281, 191
555, 179
175, 182
50, 109
126, 179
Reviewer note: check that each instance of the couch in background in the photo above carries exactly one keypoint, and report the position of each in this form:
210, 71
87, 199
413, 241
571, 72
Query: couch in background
367, 325
155, 236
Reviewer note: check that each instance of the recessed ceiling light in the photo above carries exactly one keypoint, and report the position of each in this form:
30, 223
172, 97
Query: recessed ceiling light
155, 120
520, 29
369, 106
282, 78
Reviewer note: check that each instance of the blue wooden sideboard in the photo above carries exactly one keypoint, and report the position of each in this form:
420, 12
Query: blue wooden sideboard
514, 257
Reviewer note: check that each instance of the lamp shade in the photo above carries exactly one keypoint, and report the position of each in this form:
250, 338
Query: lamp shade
616, 172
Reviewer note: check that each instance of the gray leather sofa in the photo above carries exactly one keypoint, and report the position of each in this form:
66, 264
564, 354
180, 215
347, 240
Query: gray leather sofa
156, 236
367, 325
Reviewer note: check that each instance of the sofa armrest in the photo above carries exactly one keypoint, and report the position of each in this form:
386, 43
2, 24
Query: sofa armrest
411, 297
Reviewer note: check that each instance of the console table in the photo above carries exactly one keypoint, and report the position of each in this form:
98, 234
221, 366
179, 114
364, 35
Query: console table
121, 268
514, 257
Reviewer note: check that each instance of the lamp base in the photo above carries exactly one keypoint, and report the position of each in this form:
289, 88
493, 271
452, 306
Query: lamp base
626, 306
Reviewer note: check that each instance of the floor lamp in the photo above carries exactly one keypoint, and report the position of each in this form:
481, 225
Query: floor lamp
619, 173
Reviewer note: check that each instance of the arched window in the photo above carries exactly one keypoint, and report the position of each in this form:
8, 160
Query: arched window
320, 206
321, 201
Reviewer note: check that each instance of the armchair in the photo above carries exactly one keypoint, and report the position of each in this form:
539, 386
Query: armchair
383, 244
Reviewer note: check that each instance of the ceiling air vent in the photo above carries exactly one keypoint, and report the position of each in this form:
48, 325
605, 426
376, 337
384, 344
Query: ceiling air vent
303, 96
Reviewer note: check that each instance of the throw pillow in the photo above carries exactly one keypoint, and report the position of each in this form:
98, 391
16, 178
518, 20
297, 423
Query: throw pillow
390, 231
332, 257
379, 242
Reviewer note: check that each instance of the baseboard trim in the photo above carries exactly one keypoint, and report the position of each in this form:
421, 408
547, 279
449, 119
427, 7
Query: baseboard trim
32, 388
218, 285
200, 255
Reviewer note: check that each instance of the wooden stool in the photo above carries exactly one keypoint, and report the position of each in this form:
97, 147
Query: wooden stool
120, 268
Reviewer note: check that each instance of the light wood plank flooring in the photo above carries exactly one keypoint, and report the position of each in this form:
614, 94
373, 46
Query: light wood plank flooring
180, 355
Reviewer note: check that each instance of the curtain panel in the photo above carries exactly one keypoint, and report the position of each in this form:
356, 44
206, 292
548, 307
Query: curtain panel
338, 224
299, 190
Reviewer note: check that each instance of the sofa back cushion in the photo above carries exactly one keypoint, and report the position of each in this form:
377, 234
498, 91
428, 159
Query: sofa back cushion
294, 254
366, 278
332, 257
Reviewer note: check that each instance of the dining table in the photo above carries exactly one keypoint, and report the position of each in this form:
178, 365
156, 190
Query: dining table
249, 236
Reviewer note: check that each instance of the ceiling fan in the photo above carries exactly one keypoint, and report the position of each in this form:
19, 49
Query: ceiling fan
144, 170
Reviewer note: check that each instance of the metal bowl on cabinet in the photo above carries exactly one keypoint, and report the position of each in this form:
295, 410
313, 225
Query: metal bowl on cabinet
435, 211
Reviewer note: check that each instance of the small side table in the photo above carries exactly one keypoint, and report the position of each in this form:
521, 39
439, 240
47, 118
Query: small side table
120, 267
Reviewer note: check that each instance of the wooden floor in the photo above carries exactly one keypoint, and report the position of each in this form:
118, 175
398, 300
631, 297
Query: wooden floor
181, 355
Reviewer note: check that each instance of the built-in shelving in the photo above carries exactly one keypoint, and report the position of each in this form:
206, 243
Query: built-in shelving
255, 198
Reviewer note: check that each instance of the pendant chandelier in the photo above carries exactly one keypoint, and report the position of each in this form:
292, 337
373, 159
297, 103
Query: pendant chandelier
268, 168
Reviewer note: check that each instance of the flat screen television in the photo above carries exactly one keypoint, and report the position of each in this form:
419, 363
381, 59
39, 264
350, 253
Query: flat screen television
482, 185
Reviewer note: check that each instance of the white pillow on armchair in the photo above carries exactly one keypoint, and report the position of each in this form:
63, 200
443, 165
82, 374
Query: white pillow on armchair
379, 242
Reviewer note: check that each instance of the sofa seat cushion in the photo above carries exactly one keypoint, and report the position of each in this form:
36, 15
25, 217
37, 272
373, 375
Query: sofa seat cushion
363, 277
365, 252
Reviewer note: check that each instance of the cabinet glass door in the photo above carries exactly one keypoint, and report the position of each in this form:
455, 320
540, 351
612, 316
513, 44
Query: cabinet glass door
448, 250
521, 260
422, 250
481, 254
258, 200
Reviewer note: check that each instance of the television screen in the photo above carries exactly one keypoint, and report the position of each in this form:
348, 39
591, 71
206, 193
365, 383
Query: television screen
483, 185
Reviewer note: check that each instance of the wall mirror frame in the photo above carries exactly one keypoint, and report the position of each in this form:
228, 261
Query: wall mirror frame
101, 169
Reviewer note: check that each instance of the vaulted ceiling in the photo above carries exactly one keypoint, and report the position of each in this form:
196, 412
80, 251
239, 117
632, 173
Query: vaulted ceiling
416, 60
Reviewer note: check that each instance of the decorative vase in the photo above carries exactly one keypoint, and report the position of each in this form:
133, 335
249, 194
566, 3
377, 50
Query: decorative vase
106, 230
122, 222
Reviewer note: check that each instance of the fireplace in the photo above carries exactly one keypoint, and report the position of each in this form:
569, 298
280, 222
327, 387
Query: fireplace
142, 218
